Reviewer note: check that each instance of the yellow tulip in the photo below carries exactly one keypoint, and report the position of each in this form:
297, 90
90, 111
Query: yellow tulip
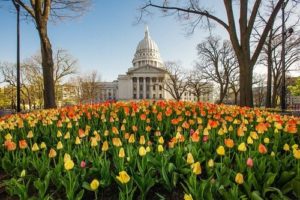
69, 164
254, 135
35, 147
94, 142
67, 157
296, 153
105, 146
188, 197
221, 131
161, 140
43, 145
23, 173
121, 153
58, 134
242, 147
131, 138
196, 168
221, 151
8, 136
266, 140
67, 136
142, 151
148, 149
160, 148
211, 163
30, 134
59, 145
239, 179
77, 140
123, 177
94, 184
205, 132
190, 158
117, 142
272, 154
295, 146
142, 140
286, 147
249, 140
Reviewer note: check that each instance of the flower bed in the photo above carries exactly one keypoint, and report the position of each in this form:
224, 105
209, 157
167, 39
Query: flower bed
145, 150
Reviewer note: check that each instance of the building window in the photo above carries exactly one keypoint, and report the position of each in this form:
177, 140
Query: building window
154, 79
141, 96
147, 87
134, 96
160, 87
141, 87
154, 96
147, 96
160, 96
153, 87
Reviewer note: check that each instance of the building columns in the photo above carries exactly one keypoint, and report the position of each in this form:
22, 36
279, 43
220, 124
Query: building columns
144, 88
138, 88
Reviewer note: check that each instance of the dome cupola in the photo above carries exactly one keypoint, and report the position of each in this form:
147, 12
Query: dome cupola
147, 53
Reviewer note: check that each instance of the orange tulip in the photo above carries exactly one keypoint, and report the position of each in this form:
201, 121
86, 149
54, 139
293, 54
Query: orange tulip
10, 145
229, 142
22, 144
262, 149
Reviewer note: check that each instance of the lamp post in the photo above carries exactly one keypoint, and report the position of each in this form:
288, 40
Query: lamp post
18, 56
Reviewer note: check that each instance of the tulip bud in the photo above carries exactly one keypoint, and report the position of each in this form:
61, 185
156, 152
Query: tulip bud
250, 162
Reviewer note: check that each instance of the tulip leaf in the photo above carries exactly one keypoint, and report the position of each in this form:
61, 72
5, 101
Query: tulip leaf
285, 177
269, 180
296, 187
86, 186
273, 189
255, 195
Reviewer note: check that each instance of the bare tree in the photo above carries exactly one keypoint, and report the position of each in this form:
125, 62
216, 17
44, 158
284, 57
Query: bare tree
198, 84
40, 11
88, 87
273, 45
234, 85
217, 62
259, 90
239, 30
176, 84
64, 66
32, 76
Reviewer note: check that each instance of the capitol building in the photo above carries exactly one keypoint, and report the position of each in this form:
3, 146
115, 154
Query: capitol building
146, 79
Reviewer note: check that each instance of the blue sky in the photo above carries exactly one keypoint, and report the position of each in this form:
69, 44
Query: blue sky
105, 38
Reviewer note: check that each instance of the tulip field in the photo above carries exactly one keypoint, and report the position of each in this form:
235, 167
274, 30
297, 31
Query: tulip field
150, 150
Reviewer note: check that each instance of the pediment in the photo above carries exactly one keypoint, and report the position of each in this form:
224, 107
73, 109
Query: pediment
146, 69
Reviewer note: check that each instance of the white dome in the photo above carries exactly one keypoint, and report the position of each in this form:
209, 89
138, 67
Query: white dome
147, 53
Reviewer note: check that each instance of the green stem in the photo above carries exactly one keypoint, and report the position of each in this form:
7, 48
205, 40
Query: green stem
96, 194
126, 192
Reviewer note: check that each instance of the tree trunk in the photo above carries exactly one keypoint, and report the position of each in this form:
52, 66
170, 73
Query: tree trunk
47, 63
269, 76
246, 96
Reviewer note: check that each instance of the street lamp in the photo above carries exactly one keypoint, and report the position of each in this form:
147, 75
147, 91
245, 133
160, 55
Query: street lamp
18, 56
